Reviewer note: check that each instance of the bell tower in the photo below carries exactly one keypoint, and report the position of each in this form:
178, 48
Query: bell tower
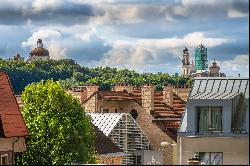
39, 43
185, 70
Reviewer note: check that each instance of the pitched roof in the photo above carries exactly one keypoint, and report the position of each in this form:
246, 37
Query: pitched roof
219, 88
104, 145
115, 95
11, 120
106, 122
172, 115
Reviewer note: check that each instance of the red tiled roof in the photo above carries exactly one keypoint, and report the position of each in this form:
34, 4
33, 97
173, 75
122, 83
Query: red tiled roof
11, 120
171, 115
115, 95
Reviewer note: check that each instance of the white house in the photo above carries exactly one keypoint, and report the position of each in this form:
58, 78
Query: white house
215, 125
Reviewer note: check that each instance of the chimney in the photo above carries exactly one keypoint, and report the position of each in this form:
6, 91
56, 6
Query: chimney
83, 95
91, 88
148, 97
168, 95
122, 87
91, 105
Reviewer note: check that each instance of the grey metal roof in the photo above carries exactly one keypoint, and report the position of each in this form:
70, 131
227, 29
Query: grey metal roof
106, 122
219, 87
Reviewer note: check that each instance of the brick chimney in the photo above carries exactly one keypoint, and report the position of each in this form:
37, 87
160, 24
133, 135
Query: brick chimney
122, 87
168, 97
91, 88
83, 95
148, 97
91, 105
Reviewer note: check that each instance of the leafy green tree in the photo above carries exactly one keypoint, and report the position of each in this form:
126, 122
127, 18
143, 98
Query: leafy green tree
23, 73
60, 131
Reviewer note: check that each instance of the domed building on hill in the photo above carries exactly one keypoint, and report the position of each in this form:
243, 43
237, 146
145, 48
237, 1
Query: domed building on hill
39, 53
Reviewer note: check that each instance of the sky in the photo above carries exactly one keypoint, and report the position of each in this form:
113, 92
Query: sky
141, 35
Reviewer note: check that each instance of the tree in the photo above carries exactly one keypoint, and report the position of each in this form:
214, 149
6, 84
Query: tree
60, 131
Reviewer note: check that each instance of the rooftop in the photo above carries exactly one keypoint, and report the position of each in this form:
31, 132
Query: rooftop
11, 120
219, 87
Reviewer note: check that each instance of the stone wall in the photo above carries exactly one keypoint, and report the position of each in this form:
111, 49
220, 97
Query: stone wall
91, 104
122, 87
148, 97
168, 95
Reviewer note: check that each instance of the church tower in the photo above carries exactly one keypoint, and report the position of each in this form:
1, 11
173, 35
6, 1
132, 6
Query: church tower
185, 70
39, 53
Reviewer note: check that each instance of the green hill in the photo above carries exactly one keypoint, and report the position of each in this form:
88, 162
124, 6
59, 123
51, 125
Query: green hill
70, 74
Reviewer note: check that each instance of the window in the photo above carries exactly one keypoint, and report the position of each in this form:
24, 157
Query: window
105, 111
211, 158
134, 113
4, 159
209, 119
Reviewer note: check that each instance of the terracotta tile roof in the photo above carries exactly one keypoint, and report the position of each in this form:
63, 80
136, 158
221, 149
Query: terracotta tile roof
172, 116
115, 95
103, 144
11, 120
163, 112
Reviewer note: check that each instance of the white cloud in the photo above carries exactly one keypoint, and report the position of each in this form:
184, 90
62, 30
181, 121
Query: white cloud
40, 5
233, 13
238, 65
51, 39
45, 34
152, 51
91, 1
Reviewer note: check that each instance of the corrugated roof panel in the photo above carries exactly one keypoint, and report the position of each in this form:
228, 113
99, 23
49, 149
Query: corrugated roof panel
244, 88
195, 87
219, 88
202, 87
209, 89
215, 89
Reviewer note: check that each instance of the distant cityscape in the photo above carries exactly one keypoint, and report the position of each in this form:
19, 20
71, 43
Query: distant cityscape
197, 69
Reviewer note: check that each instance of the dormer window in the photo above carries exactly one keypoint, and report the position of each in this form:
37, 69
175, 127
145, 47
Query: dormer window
209, 119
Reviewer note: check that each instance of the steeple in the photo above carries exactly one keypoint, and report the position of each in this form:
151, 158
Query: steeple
39, 43
185, 60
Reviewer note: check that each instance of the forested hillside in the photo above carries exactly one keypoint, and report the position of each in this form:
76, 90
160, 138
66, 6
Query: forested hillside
69, 73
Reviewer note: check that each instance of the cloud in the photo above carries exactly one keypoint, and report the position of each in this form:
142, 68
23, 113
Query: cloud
238, 65
51, 39
41, 5
239, 8
101, 12
154, 51
126, 33
232, 13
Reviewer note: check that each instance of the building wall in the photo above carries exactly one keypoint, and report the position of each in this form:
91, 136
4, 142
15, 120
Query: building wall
9, 156
155, 134
91, 104
235, 149
7, 148
189, 121
35, 58
117, 160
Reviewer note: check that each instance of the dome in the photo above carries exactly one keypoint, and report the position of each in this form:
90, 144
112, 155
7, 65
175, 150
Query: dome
40, 52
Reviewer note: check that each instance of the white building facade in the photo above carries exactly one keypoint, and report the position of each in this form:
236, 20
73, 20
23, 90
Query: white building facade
215, 125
